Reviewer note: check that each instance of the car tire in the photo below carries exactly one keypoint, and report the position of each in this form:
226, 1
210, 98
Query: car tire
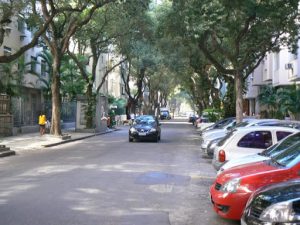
158, 138
130, 139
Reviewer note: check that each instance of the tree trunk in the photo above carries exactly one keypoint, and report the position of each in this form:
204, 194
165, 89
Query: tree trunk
55, 88
239, 96
90, 112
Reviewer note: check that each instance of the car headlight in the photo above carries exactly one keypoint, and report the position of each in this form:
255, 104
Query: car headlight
132, 129
152, 130
279, 213
231, 186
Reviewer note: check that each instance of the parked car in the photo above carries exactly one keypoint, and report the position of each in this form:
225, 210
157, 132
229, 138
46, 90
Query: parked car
247, 141
145, 127
264, 155
217, 125
232, 188
273, 205
285, 123
209, 136
213, 144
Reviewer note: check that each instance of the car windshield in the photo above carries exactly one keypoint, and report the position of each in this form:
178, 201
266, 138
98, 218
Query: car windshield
290, 156
282, 146
145, 120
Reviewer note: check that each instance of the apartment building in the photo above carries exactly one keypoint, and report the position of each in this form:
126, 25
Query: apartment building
28, 70
104, 85
30, 101
277, 69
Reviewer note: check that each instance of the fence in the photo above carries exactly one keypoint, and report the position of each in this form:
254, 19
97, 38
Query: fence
5, 116
25, 113
67, 112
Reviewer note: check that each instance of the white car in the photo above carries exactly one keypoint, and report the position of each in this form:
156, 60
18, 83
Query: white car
264, 155
209, 136
247, 141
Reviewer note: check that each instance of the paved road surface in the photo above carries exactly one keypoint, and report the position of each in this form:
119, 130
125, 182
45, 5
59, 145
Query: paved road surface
105, 180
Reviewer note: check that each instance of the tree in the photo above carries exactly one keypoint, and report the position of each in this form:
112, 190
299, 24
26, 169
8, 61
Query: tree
268, 97
236, 35
69, 18
288, 101
72, 83
194, 72
12, 76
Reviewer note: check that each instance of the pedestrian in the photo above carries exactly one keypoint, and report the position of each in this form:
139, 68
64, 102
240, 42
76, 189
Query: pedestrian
42, 123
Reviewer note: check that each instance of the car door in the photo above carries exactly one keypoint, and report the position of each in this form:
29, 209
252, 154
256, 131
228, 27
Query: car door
249, 143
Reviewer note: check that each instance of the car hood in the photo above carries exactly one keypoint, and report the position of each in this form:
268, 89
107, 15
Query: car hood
246, 170
285, 191
243, 160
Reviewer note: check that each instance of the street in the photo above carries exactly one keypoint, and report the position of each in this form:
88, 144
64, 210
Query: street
106, 180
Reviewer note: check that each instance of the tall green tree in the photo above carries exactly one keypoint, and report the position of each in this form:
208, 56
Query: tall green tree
70, 17
11, 75
236, 35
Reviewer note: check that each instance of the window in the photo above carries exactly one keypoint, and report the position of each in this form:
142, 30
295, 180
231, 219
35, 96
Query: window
122, 90
33, 64
7, 51
282, 134
21, 25
43, 68
256, 139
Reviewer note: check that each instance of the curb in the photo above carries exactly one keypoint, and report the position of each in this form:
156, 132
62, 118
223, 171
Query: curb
80, 138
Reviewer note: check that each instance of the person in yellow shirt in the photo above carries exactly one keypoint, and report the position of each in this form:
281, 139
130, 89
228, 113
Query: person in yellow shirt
42, 123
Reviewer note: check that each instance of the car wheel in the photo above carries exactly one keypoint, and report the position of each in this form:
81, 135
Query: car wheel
158, 138
130, 139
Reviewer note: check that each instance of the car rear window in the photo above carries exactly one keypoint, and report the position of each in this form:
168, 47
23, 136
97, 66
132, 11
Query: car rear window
256, 139
282, 134
282, 146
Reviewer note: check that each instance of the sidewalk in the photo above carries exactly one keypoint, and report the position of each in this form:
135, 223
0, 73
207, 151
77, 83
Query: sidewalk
33, 141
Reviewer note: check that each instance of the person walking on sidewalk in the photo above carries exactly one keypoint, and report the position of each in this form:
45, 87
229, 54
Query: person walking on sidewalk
42, 123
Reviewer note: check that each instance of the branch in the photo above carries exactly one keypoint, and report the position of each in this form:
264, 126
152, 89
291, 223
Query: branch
213, 60
80, 66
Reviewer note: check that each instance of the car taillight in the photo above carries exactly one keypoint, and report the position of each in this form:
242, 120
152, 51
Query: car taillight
222, 156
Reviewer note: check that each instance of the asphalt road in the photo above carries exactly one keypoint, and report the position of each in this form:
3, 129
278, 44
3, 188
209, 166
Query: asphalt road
105, 180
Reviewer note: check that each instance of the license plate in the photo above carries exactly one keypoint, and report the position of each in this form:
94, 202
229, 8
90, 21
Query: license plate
142, 134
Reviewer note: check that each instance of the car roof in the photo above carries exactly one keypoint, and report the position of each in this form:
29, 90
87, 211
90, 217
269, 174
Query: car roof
260, 128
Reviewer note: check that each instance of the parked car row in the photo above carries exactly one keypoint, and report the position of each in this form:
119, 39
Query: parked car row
258, 178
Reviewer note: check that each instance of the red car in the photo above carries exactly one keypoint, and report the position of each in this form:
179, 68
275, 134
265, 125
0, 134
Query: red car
233, 187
